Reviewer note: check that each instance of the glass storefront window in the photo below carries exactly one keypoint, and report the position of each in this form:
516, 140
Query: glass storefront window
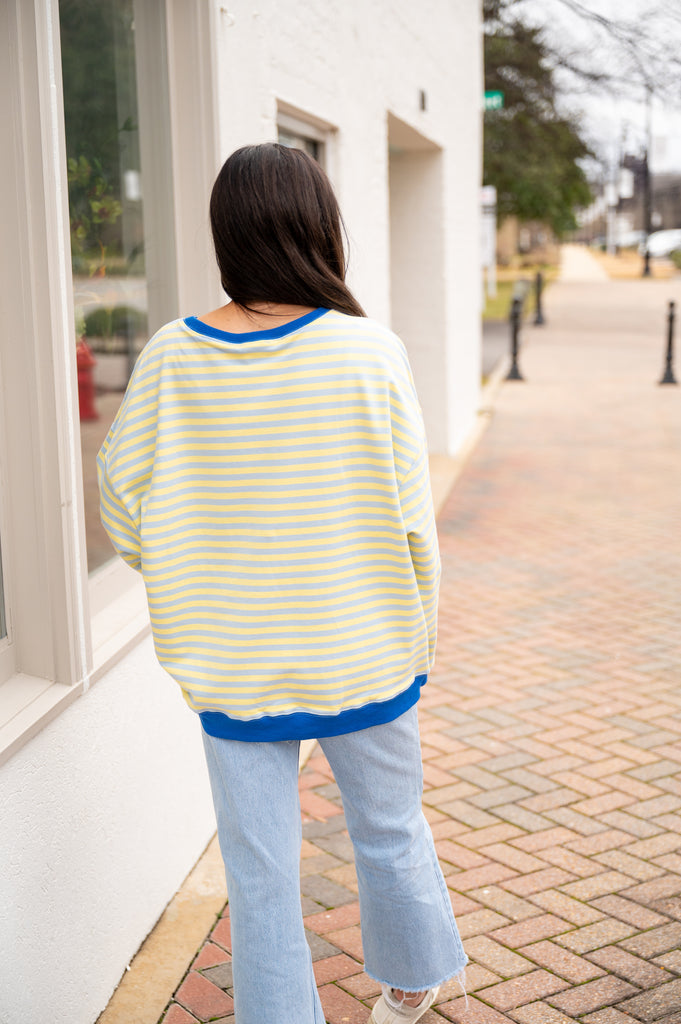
106, 221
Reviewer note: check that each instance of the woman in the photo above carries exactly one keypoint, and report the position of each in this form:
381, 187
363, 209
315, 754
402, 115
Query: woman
267, 473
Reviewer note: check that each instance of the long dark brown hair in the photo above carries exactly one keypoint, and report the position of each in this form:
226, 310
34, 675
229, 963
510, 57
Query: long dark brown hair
278, 231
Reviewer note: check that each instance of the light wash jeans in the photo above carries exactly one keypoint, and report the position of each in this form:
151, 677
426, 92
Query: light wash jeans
409, 934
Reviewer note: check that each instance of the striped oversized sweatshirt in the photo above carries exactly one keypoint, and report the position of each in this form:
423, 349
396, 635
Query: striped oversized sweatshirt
272, 488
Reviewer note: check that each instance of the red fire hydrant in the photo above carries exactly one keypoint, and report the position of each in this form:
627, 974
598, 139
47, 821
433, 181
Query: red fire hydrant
86, 382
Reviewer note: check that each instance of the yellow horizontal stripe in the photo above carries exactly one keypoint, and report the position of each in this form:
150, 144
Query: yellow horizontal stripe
319, 351
207, 467
354, 698
224, 453
313, 663
161, 621
189, 559
200, 682
266, 578
312, 633
309, 529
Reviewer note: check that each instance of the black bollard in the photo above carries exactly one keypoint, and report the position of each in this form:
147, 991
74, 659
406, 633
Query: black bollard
516, 313
538, 289
668, 375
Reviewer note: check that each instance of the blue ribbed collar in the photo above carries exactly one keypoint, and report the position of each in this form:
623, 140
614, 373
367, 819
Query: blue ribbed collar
199, 327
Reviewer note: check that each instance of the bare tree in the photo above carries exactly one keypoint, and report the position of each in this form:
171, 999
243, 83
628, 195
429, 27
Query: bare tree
643, 53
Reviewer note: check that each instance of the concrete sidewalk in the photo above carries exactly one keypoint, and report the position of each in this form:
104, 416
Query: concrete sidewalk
579, 266
552, 723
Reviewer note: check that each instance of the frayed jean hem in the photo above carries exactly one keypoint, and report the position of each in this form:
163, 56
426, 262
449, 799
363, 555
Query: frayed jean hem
459, 975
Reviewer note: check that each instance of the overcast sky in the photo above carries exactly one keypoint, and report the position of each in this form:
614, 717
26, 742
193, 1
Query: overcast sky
607, 117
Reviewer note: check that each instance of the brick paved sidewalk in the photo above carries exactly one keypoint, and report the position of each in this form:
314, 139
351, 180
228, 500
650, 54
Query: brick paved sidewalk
552, 724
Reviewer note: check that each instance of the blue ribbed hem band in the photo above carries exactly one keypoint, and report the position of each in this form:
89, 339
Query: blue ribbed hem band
303, 726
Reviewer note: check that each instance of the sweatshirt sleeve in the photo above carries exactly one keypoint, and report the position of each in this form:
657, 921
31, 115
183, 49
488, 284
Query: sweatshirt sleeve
419, 519
125, 464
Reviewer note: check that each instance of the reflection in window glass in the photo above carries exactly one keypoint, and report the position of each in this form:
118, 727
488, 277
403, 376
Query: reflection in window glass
298, 141
105, 210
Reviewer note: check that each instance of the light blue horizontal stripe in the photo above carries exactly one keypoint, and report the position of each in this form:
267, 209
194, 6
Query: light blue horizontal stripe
316, 603
313, 510
247, 664
286, 563
203, 639
249, 681
285, 532
267, 579
225, 586
223, 620
225, 496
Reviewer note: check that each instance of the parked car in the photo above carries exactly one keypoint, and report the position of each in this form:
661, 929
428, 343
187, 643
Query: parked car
661, 243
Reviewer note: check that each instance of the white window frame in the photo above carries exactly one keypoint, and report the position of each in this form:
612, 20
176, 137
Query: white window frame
65, 630
308, 126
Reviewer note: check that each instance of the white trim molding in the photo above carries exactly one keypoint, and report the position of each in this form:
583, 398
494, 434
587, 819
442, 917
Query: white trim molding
66, 630
45, 583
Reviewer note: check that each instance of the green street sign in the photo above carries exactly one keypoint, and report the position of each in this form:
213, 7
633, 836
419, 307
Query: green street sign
494, 100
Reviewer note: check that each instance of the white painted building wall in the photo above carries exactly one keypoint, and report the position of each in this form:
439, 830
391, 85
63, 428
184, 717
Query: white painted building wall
103, 815
106, 809
350, 66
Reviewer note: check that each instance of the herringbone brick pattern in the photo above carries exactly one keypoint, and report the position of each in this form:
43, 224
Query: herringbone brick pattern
551, 727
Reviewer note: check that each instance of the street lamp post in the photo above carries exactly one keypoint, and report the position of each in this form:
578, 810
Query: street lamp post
647, 184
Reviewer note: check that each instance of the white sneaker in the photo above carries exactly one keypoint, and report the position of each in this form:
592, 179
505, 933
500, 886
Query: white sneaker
384, 1013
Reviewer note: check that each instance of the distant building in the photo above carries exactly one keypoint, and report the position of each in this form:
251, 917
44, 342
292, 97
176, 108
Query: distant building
666, 199
116, 117
532, 241
629, 221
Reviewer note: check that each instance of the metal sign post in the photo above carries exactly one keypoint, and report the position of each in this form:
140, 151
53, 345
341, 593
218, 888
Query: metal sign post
488, 228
